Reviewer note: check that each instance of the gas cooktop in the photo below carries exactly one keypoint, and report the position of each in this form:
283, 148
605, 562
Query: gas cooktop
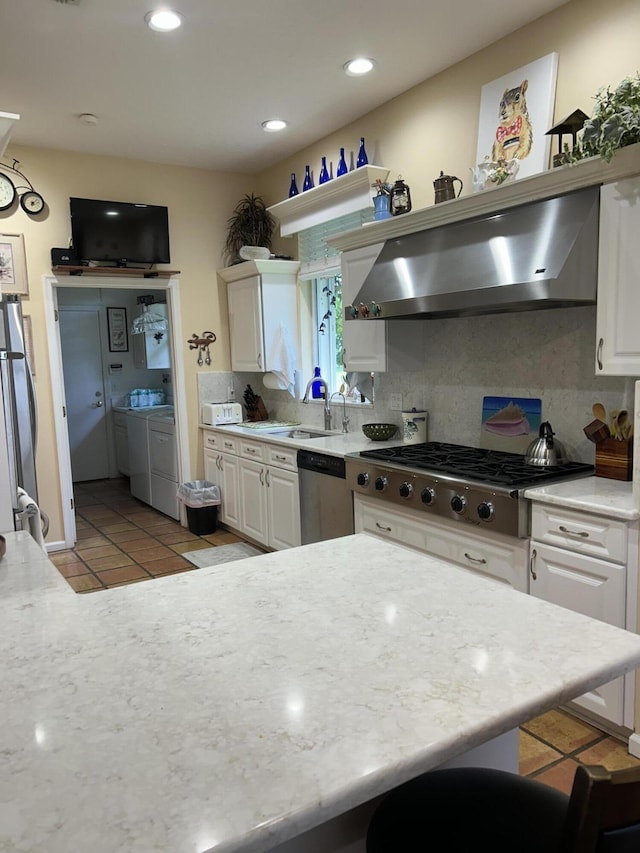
457, 483
493, 467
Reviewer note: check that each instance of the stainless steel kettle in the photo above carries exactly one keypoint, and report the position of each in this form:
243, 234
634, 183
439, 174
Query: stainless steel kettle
546, 451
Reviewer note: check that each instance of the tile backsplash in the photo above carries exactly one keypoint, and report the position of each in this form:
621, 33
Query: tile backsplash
547, 354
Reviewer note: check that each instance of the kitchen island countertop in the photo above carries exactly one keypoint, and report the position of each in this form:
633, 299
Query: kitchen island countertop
611, 498
235, 707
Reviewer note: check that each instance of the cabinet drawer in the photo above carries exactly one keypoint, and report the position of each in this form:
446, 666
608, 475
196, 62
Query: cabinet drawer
490, 556
282, 457
252, 450
593, 535
219, 441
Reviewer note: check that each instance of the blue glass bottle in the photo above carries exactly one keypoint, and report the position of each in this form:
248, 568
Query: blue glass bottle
342, 165
316, 387
293, 188
362, 155
324, 173
308, 180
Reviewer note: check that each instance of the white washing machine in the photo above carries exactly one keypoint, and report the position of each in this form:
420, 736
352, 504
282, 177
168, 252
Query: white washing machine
163, 464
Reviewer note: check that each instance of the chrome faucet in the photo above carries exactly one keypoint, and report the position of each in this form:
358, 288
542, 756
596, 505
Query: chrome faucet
345, 419
327, 403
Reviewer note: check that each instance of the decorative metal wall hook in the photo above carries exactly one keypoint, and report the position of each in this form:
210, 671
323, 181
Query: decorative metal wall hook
202, 344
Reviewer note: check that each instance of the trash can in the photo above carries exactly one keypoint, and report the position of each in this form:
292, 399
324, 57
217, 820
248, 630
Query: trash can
201, 499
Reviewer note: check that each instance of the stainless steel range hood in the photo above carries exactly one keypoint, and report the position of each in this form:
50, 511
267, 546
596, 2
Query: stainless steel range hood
543, 254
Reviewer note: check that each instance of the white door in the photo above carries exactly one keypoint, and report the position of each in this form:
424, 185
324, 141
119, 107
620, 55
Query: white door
253, 500
245, 324
84, 391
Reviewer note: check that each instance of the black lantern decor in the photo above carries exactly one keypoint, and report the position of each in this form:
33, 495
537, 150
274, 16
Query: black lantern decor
571, 124
400, 197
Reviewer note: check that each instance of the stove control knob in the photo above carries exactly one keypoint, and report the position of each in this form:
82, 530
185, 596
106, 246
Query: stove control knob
406, 490
458, 504
486, 511
428, 496
381, 484
363, 479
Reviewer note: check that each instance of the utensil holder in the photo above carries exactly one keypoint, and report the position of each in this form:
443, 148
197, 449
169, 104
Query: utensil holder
614, 459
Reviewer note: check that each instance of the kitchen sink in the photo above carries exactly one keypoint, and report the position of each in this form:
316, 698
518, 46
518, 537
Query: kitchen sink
298, 434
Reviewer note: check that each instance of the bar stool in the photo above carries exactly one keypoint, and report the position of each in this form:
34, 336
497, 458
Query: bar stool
466, 809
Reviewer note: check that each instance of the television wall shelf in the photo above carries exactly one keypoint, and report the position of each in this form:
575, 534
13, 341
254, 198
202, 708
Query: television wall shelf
131, 272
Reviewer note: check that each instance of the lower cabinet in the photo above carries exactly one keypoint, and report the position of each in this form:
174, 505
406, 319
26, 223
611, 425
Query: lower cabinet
498, 557
121, 432
579, 561
222, 469
270, 504
259, 488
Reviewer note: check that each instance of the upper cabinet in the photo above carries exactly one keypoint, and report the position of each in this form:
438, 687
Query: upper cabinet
618, 341
376, 345
151, 349
262, 297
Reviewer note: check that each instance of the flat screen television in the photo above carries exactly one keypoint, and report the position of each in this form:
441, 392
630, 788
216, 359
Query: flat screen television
119, 232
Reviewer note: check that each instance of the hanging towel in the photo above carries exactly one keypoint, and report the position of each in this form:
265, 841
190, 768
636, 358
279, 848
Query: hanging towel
29, 515
282, 361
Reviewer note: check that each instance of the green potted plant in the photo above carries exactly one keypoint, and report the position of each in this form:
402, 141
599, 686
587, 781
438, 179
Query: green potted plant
614, 123
250, 225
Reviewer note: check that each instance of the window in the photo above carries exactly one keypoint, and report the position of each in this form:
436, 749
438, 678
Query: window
320, 264
328, 324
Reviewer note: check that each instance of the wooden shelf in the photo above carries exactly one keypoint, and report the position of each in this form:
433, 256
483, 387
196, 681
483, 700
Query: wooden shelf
548, 184
131, 272
346, 194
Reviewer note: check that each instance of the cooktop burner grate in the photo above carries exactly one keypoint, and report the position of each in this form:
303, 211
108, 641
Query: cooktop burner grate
474, 463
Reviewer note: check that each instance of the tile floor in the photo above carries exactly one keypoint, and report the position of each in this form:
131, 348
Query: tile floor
121, 540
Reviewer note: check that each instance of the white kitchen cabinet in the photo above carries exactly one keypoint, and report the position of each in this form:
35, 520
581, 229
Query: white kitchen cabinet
262, 297
578, 561
498, 557
618, 341
151, 350
221, 467
283, 508
376, 345
120, 432
259, 485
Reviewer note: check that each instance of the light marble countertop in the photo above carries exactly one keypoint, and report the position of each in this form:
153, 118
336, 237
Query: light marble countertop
611, 498
234, 707
335, 444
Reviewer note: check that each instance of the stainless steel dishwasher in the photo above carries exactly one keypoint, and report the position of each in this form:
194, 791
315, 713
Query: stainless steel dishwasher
326, 502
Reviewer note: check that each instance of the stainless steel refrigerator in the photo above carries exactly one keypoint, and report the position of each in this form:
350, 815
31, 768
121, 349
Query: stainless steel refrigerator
18, 418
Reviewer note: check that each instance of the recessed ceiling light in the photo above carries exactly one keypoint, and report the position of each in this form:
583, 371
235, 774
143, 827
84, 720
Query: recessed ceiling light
163, 20
273, 125
358, 67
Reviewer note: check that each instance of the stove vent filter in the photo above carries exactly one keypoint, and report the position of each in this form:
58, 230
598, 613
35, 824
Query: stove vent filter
68, 2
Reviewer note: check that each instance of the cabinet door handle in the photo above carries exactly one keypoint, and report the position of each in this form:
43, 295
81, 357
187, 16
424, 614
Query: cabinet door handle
219, 463
532, 561
262, 476
582, 533
381, 527
279, 458
259, 359
250, 450
480, 560
266, 476
229, 444
599, 354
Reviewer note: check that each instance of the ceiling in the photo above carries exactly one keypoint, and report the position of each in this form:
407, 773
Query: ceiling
197, 96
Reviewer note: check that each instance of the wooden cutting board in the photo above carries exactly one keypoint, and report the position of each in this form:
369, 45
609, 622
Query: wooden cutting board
510, 424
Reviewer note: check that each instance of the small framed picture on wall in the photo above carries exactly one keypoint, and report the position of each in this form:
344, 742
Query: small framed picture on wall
117, 325
13, 265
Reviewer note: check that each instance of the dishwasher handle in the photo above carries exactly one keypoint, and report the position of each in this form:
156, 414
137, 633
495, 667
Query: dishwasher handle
322, 463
